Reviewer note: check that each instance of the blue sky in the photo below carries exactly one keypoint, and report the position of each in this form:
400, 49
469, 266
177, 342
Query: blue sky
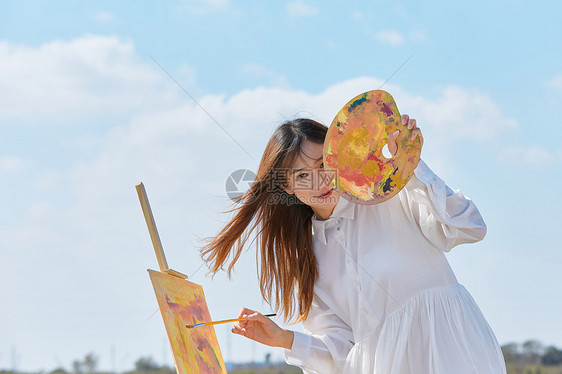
85, 113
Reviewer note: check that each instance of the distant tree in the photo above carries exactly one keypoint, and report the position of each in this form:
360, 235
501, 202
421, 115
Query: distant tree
532, 350
146, 364
90, 363
87, 366
77, 367
552, 356
511, 352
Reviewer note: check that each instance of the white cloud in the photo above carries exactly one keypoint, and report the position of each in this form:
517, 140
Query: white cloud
103, 16
391, 37
87, 77
357, 15
47, 180
41, 210
556, 83
419, 36
331, 45
534, 155
300, 9
8, 164
396, 38
458, 113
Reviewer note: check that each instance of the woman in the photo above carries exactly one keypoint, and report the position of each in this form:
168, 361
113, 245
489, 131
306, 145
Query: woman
370, 283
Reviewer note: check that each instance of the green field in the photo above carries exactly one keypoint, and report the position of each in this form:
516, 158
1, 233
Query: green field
533, 369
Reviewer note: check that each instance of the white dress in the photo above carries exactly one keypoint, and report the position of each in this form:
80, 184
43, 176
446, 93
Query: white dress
387, 301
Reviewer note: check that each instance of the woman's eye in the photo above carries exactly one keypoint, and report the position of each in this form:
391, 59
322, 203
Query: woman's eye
302, 175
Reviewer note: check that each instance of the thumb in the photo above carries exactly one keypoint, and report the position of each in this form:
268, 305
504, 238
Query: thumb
391, 142
393, 135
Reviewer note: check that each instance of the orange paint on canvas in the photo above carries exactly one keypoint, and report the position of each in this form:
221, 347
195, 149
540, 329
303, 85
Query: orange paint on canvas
182, 302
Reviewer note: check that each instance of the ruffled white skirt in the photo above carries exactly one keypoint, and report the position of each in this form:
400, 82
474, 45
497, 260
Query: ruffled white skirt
438, 331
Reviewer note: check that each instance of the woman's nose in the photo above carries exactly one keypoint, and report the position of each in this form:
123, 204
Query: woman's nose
325, 178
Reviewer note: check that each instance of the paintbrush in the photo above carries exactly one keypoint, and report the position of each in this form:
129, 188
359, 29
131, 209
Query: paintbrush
223, 321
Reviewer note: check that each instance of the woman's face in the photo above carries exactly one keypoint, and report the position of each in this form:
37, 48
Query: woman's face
310, 183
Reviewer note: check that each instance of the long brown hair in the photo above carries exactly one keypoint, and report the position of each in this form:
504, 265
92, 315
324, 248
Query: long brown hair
285, 259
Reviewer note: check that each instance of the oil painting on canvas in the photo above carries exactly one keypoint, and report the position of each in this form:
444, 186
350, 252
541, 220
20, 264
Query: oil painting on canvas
182, 302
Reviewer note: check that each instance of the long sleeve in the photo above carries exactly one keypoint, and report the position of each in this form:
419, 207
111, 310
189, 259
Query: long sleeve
325, 345
446, 218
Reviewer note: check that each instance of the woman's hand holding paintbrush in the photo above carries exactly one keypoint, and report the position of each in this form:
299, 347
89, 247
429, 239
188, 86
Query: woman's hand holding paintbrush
258, 327
222, 321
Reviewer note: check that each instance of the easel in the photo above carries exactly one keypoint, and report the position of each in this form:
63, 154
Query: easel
182, 303
156, 243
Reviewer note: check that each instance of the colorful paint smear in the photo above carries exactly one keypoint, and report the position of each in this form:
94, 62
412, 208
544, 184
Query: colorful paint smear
354, 144
183, 303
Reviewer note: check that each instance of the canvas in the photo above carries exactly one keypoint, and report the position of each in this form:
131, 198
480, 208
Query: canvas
183, 303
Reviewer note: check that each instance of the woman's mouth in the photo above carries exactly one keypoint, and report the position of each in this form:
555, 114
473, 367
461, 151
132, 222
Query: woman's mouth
326, 194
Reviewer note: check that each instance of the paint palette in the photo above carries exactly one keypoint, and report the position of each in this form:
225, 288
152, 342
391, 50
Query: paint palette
354, 144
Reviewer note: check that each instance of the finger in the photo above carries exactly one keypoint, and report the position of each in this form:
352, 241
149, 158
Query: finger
255, 317
241, 313
412, 124
405, 118
239, 331
416, 132
244, 312
263, 321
